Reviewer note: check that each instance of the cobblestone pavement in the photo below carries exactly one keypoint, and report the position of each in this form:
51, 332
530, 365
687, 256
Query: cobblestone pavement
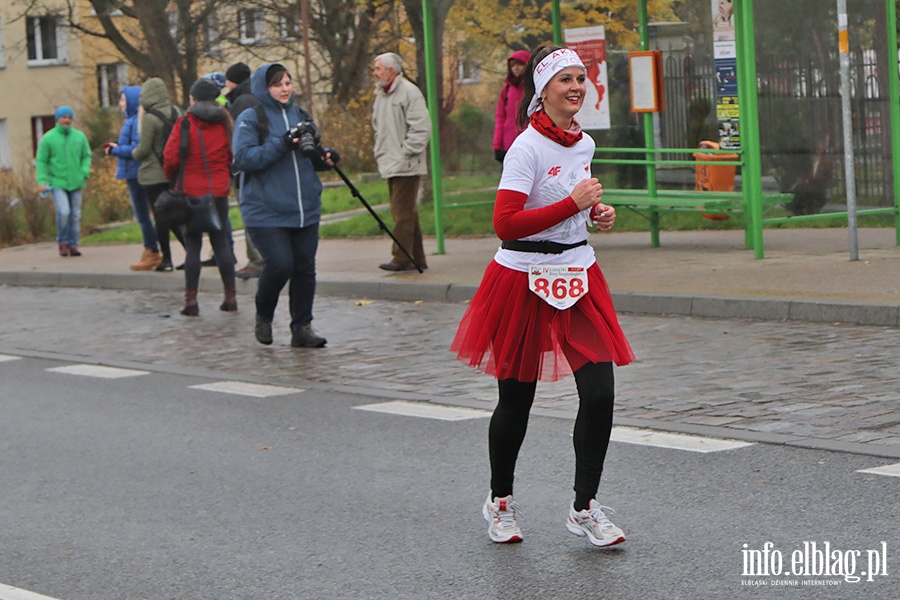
828, 386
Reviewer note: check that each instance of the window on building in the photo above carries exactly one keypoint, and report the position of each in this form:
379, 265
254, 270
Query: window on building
5, 150
289, 22
39, 126
251, 25
46, 39
468, 72
111, 78
211, 35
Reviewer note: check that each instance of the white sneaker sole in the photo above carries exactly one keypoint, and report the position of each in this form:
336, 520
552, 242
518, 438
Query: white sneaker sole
513, 539
599, 543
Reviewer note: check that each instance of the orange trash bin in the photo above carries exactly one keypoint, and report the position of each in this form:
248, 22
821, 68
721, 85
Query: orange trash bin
714, 178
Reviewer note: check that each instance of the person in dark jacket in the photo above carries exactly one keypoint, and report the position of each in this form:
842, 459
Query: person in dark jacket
129, 102
237, 82
205, 173
281, 202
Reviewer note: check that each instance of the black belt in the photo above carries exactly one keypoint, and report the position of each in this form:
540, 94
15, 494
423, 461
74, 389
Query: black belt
542, 247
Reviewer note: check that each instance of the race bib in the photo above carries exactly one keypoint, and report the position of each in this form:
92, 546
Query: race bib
560, 286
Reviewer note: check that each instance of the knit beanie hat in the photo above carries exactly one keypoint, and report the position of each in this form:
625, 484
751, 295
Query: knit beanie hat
63, 111
204, 90
238, 73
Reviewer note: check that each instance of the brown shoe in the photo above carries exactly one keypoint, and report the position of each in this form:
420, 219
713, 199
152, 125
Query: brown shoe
149, 260
247, 272
392, 266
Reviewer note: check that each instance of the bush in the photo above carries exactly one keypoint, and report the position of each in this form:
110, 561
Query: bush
349, 131
108, 195
467, 140
102, 125
24, 215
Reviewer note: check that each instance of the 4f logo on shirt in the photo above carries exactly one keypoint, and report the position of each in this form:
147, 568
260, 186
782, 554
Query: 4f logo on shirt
554, 171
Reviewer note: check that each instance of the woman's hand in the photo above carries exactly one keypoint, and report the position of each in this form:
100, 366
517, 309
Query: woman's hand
603, 216
587, 193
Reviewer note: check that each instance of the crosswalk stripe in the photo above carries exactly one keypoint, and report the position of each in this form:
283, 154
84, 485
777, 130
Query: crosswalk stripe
98, 371
8, 592
425, 410
7, 357
888, 470
241, 388
675, 441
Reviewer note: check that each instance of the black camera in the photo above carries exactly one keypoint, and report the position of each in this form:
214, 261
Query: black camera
308, 138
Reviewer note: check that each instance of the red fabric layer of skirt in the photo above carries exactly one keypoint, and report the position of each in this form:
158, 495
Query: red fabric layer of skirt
511, 333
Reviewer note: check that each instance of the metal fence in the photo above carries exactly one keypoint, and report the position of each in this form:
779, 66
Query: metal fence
800, 99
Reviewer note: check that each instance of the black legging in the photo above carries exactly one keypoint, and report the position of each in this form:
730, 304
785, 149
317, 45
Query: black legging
593, 425
162, 230
221, 250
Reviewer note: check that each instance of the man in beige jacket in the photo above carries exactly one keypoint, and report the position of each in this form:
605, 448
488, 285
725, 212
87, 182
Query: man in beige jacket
402, 130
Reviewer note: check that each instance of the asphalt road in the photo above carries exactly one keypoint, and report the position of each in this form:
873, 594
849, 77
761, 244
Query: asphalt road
143, 487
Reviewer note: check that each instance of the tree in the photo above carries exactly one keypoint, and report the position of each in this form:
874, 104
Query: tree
158, 41
343, 33
439, 10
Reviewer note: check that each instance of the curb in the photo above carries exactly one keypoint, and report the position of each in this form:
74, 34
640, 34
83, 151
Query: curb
722, 307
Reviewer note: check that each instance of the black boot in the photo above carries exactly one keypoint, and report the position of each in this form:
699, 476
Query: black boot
263, 331
305, 337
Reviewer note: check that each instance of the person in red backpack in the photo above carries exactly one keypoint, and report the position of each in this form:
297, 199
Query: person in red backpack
211, 125
505, 128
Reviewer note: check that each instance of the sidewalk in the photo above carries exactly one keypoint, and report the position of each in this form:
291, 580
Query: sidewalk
807, 274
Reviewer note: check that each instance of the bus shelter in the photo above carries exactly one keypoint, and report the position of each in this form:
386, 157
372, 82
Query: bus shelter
652, 200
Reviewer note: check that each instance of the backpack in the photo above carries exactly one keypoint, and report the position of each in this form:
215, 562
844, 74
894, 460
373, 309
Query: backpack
262, 128
167, 122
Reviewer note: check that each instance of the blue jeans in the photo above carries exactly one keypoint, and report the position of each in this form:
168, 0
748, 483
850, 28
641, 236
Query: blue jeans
68, 216
141, 209
289, 255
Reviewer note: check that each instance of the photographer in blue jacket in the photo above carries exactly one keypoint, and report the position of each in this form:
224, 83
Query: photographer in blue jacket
276, 154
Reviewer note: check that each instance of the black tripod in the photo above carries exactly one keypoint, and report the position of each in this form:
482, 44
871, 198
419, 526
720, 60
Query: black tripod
372, 212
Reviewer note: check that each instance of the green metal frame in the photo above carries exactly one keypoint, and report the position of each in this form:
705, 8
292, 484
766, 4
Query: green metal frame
894, 101
751, 161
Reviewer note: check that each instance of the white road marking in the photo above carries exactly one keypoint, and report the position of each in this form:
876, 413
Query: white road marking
889, 470
7, 357
426, 410
242, 388
97, 371
8, 592
675, 441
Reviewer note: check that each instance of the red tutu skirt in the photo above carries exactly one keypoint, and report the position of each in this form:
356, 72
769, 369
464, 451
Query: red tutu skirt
511, 333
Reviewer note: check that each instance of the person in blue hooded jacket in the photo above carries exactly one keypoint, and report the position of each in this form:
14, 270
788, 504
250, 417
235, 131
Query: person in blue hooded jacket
281, 201
129, 102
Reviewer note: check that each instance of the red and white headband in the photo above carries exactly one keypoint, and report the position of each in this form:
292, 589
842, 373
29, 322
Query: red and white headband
552, 64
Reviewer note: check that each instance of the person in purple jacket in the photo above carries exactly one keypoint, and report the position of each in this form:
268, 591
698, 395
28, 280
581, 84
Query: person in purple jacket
505, 128
129, 102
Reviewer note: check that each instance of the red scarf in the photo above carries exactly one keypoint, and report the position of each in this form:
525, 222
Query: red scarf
545, 126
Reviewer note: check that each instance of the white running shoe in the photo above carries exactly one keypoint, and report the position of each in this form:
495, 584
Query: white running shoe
501, 514
594, 524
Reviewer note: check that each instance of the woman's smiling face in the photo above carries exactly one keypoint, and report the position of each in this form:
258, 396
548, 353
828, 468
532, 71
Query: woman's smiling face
564, 95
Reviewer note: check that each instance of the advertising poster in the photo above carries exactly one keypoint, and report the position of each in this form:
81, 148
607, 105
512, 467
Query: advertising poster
725, 57
590, 44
